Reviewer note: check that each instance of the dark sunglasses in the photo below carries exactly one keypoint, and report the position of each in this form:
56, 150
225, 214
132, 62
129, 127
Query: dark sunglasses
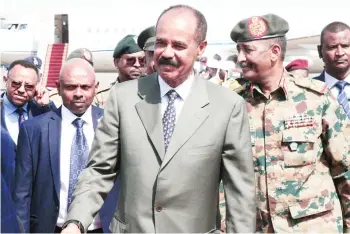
132, 60
18, 84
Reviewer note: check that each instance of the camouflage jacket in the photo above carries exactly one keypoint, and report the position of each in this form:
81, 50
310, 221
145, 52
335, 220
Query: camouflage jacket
102, 95
300, 138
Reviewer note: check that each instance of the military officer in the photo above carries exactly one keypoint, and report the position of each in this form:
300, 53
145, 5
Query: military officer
299, 67
146, 41
129, 59
300, 145
81, 53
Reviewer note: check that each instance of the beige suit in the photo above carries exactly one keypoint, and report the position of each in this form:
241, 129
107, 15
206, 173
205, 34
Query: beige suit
176, 191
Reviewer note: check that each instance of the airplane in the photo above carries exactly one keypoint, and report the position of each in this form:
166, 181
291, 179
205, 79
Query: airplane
22, 36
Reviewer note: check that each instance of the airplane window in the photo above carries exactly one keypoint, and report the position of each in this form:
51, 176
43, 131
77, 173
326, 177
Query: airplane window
23, 26
13, 27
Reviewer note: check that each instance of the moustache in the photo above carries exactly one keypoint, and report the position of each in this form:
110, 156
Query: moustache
243, 64
170, 62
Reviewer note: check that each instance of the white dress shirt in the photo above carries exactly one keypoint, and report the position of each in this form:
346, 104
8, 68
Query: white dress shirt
11, 117
183, 90
67, 134
331, 81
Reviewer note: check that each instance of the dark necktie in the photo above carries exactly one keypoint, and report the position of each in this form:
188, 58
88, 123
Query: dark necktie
169, 118
21, 117
78, 158
342, 98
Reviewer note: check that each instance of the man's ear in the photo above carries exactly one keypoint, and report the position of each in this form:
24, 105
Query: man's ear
96, 87
58, 87
276, 52
319, 50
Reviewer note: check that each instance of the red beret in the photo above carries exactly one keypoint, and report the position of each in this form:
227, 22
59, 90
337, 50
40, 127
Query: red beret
298, 64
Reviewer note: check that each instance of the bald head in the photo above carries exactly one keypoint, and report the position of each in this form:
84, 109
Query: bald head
77, 67
77, 85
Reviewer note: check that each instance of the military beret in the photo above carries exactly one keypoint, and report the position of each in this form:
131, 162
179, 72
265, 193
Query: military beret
35, 60
81, 53
127, 45
147, 39
298, 64
259, 27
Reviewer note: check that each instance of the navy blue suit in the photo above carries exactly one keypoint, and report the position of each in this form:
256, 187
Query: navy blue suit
320, 77
37, 181
9, 221
33, 110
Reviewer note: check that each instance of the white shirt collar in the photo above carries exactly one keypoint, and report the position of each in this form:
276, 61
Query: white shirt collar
331, 81
183, 90
68, 117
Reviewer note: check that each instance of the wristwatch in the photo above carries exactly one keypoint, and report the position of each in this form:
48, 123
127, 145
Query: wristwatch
76, 222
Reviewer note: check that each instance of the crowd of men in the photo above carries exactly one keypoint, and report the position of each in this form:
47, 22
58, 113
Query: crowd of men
171, 146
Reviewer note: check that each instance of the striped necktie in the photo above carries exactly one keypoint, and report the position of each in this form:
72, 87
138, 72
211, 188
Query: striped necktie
342, 98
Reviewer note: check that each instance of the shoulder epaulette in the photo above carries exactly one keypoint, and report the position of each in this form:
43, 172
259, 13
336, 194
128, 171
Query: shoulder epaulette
314, 85
53, 92
103, 90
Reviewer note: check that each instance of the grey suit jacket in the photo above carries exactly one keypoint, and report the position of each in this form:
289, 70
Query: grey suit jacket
176, 191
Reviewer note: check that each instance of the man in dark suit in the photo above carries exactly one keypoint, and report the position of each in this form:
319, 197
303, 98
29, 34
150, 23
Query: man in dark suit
24, 97
52, 150
334, 50
9, 220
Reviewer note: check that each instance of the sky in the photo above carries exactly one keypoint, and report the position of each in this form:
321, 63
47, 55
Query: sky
305, 17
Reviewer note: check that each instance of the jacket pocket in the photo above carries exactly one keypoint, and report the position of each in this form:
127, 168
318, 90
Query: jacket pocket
117, 226
298, 148
311, 207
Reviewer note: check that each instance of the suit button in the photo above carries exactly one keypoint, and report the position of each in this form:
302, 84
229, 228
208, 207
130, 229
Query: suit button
56, 208
159, 208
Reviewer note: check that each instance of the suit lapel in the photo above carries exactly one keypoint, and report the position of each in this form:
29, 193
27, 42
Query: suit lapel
321, 77
3, 123
54, 147
192, 116
96, 115
149, 112
29, 110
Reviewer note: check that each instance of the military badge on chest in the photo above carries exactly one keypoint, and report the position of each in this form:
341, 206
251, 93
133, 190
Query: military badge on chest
298, 121
297, 124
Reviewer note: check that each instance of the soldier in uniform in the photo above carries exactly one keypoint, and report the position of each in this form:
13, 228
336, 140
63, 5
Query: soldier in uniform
129, 59
81, 53
299, 67
146, 41
299, 137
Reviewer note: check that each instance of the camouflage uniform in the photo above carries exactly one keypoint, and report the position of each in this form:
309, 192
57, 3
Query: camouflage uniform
231, 83
102, 95
300, 139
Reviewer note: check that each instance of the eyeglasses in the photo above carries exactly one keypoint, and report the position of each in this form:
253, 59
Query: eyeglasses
132, 60
18, 84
